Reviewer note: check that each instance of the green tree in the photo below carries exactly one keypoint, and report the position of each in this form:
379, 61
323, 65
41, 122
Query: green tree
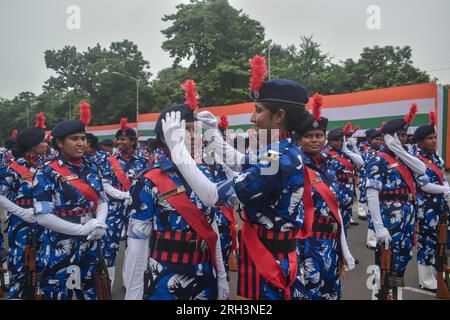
218, 41
90, 75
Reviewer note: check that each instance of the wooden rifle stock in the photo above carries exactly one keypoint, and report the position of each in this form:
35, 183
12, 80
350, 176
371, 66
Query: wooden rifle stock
30, 265
441, 265
385, 267
2, 282
102, 283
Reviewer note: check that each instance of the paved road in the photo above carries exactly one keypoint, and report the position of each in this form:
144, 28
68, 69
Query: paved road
354, 282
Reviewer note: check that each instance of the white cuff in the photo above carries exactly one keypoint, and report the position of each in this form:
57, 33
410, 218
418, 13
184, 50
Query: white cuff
434, 188
102, 211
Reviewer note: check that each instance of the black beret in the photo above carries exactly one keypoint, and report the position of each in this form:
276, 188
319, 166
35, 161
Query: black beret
28, 138
282, 91
187, 114
129, 132
152, 142
10, 142
68, 127
394, 125
108, 143
313, 125
424, 131
335, 134
373, 133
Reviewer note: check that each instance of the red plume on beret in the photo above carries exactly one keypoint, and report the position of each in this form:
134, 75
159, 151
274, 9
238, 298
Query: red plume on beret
258, 72
190, 96
40, 121
223, 122
317, 106
85, 113
383, 124
123, 124
411, 114
14, 133
347, 128
433, 120
356, 128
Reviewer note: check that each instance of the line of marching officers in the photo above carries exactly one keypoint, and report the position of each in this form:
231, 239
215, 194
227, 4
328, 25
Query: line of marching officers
177, 208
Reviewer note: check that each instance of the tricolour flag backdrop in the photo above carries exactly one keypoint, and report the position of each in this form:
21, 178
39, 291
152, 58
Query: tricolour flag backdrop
366, 108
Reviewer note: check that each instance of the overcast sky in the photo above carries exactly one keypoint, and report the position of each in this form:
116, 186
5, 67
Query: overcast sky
29, 27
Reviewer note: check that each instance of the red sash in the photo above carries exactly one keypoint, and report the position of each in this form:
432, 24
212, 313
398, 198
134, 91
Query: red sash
118, 172
85, 189
8, 157
263, 260
24, 172
365, 147
342, 160
327, 195
189, 211
265, 263
433, 167
230, 215
403, 170
308, 208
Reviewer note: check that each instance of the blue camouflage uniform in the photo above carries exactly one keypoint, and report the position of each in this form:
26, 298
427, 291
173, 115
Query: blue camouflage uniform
396, 207
367, 154
117, 217
98, 158
69, 261
19, 191
173, 276
346, 191
273, 204
430, 208
320, 253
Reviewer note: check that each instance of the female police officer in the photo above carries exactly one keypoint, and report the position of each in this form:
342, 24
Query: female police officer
70, 202
271, 190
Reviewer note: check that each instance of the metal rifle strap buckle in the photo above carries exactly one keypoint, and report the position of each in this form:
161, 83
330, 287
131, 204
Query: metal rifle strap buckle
68, 178
394, 165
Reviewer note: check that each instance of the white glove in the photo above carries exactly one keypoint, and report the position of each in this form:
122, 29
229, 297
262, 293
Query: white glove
381, 232
128, 200
54, 223
348, 258
447, 196
26, 215
174, 134
223, 289
354, 144
207, 120
231, 156
98, 233
136, 257
356, 159
414, 163
115, 193
436, 189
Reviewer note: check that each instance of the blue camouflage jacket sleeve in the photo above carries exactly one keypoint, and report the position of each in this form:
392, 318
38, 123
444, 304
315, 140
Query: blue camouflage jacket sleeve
260, 180
6, 181
43, 193
142, 209
374, 171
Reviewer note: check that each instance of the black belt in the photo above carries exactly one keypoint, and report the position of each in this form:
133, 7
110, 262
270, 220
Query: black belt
396, 197
280, 246
178, 246
325, 227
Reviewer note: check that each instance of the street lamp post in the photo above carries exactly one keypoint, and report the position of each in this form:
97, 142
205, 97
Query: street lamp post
137, 96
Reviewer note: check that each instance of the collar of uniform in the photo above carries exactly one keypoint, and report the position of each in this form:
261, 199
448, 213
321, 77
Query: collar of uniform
163, 161
424, 153
74, 163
